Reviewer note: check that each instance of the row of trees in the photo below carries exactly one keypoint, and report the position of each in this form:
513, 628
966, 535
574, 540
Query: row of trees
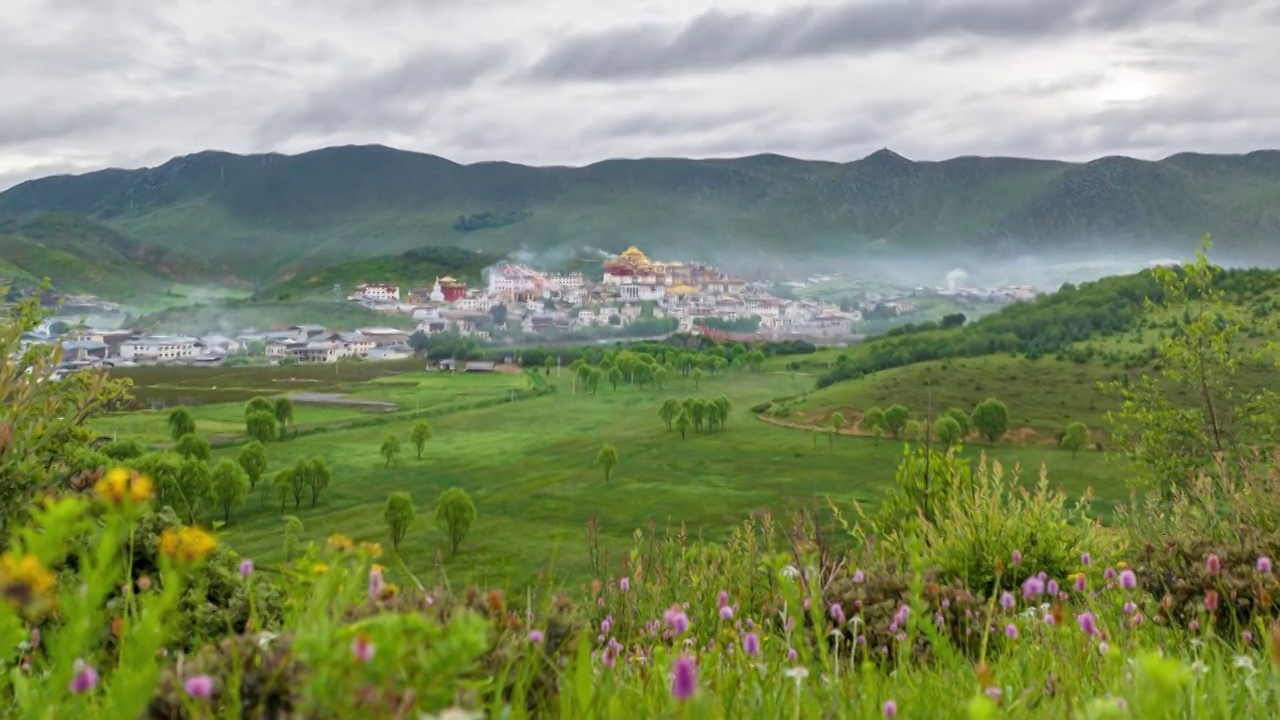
695, 414
419, 436
989, 418
455, 516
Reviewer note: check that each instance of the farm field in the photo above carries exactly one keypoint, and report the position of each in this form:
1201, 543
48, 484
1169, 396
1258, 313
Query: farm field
529, 465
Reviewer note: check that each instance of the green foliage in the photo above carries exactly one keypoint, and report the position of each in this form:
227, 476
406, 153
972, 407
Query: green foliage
260, 425
991, 419
193, 446
962, 420
399, 515
1075, 438
259, 404
455, 514
420, 434
124, 449
607, 459
181, 423
230, 486
948, 431
683, 423
253, 459
283, 411
669, 410
895, 419
318, 477
193, 489
390, 449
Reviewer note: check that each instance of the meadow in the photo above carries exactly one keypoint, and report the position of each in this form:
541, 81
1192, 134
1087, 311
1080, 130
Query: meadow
529, 465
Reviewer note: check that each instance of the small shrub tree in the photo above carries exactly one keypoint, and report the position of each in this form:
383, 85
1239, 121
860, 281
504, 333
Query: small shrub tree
318, 477
1075, 438
283, 410
260, 425
948, 430
390, 449
455, 514
669, 411
962, 419
873, 421
253, 459
195, 488
837, 421
259, 404
607, 458
181, 422
192, 446
230, 486
399, 515
121, 450
420, 435
895, 419
991, 419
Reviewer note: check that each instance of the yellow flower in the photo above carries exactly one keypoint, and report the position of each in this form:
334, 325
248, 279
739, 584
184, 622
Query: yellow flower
120, 485
186, 545
320, 569
372, 549
389, 591
26, 584
1122, 565
339, 542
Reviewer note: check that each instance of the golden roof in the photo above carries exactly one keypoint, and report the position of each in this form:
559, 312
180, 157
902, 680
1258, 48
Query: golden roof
634, 252
446, 279
683, 289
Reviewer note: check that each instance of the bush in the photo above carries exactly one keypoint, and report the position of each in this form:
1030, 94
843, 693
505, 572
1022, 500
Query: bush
761, 407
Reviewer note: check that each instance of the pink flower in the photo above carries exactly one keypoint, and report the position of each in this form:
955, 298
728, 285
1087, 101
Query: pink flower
1128, 580
751, 644
1213, 564
362, 648
1006, 601
624, 585
198, 686
676, 620
1032, 588
1080, 583
1087, 623
791, 654
1264, 565
724, 598
1211, 601
1085, 559
376, 585
1011, 631
246, 567
858, 576
606, 624
1130, 608
726, 612
1017, 557
890, 709
684, 680
85, 678
900, 617
535, 636
1109, 574
837, 613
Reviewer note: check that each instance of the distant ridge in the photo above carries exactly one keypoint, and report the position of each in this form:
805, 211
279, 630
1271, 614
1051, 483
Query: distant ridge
257, 215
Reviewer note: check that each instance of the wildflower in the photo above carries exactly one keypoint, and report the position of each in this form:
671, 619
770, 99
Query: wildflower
1011, 631
1006, 600
319, 569
390, 591
1017, 557
1128, 580
1136, 620
723, 598
1211, 601
797, 673
120, 485
751, 644
26, 584
535, 636
1032, 587
1247, 637
1213, 564
1088, 625
791, 655
1085, 559
684, 681
362, 648
1195, 624
859, 577
837, 613
676, 620
1264, 565
339, 543
890, 709
35, 638
1109, 574
187, 545
992, 692
1104, 648
606, 625
246, 567
371, 549
790, 572
198, 686
900, 617
726, 612
624, 585
1129, 608
85, 678
1052, 587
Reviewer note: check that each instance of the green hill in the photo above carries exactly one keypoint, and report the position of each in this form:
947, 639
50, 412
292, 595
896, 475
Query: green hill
415, 268
1045, 359
258, 215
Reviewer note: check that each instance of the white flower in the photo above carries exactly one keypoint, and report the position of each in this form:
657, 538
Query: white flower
797, 673
790, 572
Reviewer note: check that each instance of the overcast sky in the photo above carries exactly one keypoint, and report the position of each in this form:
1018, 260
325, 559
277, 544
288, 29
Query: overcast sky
94, 83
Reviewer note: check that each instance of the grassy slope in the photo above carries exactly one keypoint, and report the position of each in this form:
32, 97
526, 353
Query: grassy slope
418, 268
262, 214
529, 467
237, 315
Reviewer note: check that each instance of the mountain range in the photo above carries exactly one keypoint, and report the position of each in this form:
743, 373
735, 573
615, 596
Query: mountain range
270, 217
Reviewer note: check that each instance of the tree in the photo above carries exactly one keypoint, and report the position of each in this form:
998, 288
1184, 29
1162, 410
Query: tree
283, 411
455, 514
257, 348
390, 449
895, 419
298, 476
669, 410
607, 458
498, 313
953, 321
697, 377
873, 420
837, 421
419, 341
195, 488
991, 419
948, 430
126, 449
283, 486
420, 435
755, 359
292, 534
181, 422
915, 430
683, 423
615, 377
288, 360
259, 404
399, 515
318, 477
230, 486
260, 425
722, 403
962, 419
193, 446
549, 363
660, 377
1075, 438
253, 459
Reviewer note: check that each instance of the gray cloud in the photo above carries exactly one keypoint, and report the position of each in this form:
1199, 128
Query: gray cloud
719, 39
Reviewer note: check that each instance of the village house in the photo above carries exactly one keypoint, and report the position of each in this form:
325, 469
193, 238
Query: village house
376, 292
385, 336
316, 351
158, 348
83, 350
351, 344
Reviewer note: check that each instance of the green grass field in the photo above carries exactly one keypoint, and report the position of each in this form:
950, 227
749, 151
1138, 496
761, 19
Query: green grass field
529, 467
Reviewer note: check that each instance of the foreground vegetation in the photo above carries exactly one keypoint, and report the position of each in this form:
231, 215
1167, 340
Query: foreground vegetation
941, 582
